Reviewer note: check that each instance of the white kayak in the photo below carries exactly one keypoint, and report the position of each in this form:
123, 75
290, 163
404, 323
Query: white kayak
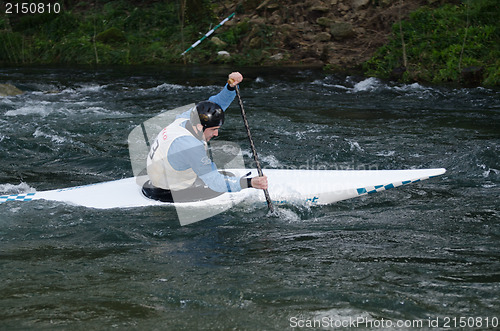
297, 187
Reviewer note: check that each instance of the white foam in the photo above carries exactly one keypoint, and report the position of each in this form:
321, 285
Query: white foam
167, 87
368, 84
318, 82
101, 111
410, 87
32, 108
272, 161
91, 88
323, 82
342, 87
375, 84
45, 108
6, 101
339, 318
354, 145
386, 153
287, 214
82, 89
10, 189
487, 171
54, 138
68, 90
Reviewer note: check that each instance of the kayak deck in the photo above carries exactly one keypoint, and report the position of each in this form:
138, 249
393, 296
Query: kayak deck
309, 187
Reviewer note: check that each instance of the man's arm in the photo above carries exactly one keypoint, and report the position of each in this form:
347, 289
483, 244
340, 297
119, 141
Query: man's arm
226, 96
188, 152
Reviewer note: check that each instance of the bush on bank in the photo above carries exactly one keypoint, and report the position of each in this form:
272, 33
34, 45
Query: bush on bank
111, 32
444, 44
121, 32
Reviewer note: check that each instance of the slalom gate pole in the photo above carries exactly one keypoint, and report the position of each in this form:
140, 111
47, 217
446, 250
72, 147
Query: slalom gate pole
208, 33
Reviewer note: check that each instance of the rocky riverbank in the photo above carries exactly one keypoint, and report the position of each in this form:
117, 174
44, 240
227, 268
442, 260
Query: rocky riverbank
340, 34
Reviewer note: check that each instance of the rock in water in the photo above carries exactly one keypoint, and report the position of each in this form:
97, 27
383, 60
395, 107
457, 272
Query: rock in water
9, 90
223, 54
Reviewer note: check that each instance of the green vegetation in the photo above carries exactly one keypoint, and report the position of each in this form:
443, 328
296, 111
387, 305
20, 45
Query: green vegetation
104, 32
433, 45
123, 32
443, 44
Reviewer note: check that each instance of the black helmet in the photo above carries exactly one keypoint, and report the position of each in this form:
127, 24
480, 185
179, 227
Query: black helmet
209, 113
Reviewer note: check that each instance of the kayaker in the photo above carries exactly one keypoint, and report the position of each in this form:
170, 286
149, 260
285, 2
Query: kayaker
178, 164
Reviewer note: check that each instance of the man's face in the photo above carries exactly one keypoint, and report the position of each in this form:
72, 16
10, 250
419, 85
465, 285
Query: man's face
209, 133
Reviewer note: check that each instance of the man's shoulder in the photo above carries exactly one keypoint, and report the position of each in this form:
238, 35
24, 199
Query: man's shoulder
184, 115
187, 142
186, 148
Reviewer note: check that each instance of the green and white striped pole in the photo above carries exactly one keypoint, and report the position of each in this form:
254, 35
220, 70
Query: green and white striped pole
209, 33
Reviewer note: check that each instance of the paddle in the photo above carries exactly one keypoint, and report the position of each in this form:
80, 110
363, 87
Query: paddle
252, 146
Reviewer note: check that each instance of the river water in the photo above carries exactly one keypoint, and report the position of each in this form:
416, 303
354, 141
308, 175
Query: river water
422, 256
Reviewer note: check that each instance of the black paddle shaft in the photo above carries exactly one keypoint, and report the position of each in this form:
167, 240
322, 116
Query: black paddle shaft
252, 146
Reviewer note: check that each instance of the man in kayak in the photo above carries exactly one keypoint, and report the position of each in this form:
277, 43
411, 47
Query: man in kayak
178, 164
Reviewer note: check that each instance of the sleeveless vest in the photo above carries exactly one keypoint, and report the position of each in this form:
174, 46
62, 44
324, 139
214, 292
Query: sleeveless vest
160, 172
